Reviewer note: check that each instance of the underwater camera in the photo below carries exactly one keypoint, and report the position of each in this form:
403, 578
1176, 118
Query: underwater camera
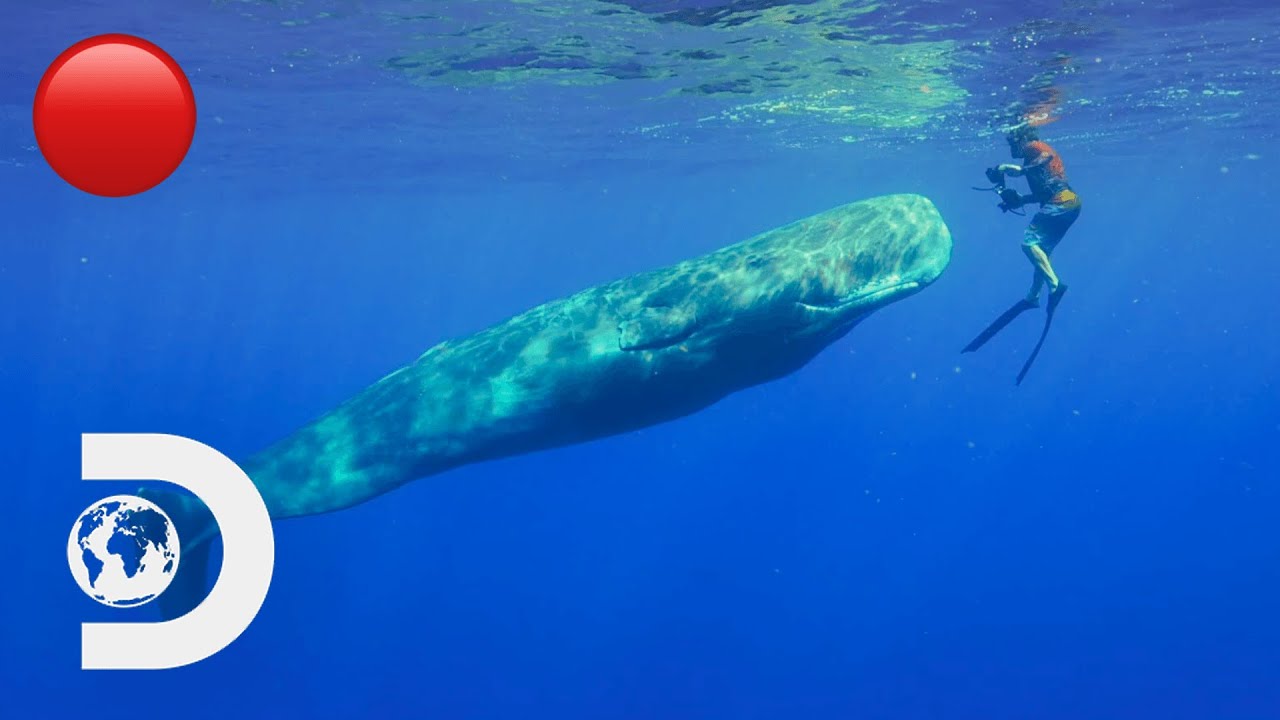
1010, 200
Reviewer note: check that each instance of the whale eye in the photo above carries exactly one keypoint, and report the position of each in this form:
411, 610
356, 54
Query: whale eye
911, 255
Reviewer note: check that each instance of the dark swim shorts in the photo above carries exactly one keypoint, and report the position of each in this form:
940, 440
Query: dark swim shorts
1050, 224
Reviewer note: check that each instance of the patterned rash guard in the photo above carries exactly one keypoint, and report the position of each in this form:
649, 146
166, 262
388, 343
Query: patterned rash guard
1059, 205
1048, 180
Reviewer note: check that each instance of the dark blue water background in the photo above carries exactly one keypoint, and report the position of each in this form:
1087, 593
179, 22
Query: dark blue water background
895, 531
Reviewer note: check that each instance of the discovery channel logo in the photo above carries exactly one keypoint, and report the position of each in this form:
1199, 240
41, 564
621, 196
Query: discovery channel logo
124, 551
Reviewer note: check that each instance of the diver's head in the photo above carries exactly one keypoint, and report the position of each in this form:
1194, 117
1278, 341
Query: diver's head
1019, 137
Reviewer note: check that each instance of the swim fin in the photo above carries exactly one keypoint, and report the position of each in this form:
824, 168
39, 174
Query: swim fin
1007, 317
1055, 297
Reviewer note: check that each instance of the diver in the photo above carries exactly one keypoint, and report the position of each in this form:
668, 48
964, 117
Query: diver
1059, 208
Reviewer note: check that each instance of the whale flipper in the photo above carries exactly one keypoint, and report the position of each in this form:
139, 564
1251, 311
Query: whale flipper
190, 584
656, 327
196, 529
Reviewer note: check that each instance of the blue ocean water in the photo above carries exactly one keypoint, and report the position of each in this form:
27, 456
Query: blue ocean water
894, 531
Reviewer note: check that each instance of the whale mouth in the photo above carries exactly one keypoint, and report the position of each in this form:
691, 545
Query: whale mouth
867, 300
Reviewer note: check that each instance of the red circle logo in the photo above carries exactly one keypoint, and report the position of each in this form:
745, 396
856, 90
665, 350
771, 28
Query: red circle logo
114, 115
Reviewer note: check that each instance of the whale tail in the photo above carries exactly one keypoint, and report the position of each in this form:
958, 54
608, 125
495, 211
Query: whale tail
196, 531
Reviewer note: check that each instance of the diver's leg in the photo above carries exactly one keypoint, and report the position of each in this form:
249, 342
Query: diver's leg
1044, 269
1037, 283
1041, 270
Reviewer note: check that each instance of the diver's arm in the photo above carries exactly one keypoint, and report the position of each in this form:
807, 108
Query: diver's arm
1037, 161
1017, 170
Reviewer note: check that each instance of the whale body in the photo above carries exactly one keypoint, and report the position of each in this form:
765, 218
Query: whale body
624, 355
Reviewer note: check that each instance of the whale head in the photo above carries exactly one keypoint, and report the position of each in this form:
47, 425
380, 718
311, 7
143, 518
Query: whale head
878, 252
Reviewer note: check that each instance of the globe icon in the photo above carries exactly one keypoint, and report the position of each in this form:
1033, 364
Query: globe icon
123, 551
